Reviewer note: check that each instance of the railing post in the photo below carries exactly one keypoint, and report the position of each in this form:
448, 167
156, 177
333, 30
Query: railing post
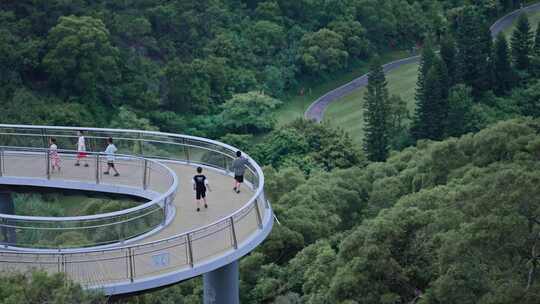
186, 150
258, 212
145, 178
233, 234
165, 210
141, 144
63, 263
131, 268
189, 251
127, 258
97, 168
44, 138
48, 160
1, 162
59, 261
225, 164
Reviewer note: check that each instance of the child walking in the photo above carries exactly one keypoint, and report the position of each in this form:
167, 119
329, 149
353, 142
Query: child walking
81, 150
53, 154
111, 149
200, 184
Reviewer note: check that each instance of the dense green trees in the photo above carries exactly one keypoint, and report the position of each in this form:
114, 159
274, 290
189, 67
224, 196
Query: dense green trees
376, 115
249, 113
184, 59
81, 60
37, 287
308, 146
323, 51
437, 219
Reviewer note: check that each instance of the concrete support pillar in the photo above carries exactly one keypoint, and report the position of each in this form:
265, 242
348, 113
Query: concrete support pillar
221, 285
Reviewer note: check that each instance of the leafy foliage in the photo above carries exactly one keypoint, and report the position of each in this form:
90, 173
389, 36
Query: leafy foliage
38, 287
309, 146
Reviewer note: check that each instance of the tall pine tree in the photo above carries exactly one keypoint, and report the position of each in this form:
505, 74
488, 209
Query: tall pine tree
536, 47
432, 109
502, 70
418, 129
448, 55
473, 40
376, 112
522, 42
535, 58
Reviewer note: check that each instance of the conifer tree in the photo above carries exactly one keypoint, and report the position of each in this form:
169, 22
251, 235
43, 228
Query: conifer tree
522, 42
432, 109
448, 55
535, 58
428, 56
536, 47
473, 40
502, 70
376, 114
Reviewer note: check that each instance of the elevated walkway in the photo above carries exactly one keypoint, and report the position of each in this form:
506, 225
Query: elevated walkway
180, 244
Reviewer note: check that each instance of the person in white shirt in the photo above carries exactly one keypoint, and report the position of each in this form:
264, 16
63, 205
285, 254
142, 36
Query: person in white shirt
111, 149
81, 150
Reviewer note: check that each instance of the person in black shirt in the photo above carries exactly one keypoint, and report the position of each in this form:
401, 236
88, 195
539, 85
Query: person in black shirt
200, 184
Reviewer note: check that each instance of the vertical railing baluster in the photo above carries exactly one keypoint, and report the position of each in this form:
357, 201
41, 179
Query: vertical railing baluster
186, 149
165, 210
44, 138
145, 178
131, 266
126, 256
190, 250
59, 264
97, 168
233, 234
225, 164
63, 265
1, 162
141, 144
48, 160
258, 212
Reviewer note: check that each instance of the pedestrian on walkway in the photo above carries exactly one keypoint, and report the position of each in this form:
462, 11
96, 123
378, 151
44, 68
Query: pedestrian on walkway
200, 184
53, 154
81, 150
111, 149
239, 168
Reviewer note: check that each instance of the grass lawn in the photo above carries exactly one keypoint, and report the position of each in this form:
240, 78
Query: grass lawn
294, 105
347, 112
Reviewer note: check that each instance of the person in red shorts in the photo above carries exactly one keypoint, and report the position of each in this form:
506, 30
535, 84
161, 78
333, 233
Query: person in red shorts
81, 150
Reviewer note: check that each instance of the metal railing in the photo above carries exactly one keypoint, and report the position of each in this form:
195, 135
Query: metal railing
88, 230
118, 265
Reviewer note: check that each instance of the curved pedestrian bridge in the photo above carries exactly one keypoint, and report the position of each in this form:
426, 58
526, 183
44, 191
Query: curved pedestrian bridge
160, 242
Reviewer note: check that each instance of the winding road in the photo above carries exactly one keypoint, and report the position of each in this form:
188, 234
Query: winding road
316, 110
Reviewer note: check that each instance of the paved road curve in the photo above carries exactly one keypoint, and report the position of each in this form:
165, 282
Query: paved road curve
317, 108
